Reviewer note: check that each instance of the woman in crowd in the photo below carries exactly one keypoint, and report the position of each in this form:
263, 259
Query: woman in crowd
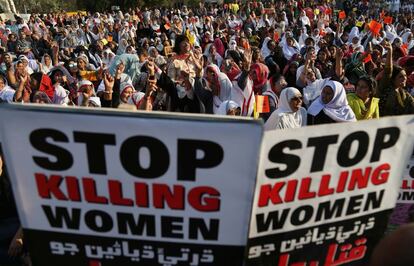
331, 107
363, 102
290, 113
394, 98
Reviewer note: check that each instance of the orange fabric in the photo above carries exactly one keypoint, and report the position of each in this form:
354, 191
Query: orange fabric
375, 27
388, 20
342, 15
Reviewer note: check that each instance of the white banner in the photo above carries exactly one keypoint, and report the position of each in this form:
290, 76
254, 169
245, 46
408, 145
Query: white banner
325, 185
147, 176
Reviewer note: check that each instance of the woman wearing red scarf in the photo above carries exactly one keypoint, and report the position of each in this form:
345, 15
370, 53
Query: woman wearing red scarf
38, 82
259, 73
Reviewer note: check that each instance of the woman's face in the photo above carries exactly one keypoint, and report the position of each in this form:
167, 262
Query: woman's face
73, 66
327, 95
184, 47
213, 49
290, 42
311, 75
295, 103
2, 84
126, 93
397, 42
20, 67
362, 90
81, 64
58, 77
253, 75
40, 98
322, 56
211, 76
47, 60
400, 80
234, 112
154, 53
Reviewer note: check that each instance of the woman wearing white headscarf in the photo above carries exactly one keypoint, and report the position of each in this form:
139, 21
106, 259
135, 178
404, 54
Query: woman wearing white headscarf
303, 36
332, 106
304, 19
354, 40
219, 85
229, 108
46, 64
290, 113
212, 55
407, 38
290, 47
265, 50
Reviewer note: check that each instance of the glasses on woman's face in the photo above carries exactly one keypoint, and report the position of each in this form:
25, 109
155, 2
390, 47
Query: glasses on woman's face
297, 98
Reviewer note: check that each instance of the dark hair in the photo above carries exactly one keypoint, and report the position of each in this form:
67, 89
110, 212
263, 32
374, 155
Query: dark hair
178, 40
372, 84
53, 73
395, 71
142, 51
275, 77
308, 40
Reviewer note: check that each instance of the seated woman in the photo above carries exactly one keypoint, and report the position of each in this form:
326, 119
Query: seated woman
331, 107
392, 92
362, 102
290, 113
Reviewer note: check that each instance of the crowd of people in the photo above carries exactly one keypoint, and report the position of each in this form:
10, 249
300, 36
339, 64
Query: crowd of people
310, 63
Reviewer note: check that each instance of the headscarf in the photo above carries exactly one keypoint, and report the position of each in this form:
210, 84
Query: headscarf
284, 117
289, 51
219, 46
226, 106
262, 71
136, 99
46, 86
355, 68
46, 68
125, 86
123, 44
131, 63
224, 87
209, 56
338, 108
7, 93
265, 50
232, 45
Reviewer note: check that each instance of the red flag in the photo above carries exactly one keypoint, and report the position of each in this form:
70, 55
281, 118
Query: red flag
375, 27
367, 58
388, 20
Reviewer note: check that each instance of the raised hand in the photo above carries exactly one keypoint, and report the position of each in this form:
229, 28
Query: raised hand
109, 81
247, 60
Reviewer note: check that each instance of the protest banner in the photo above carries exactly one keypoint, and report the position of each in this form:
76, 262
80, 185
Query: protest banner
122, 188
403, 212
324, 193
